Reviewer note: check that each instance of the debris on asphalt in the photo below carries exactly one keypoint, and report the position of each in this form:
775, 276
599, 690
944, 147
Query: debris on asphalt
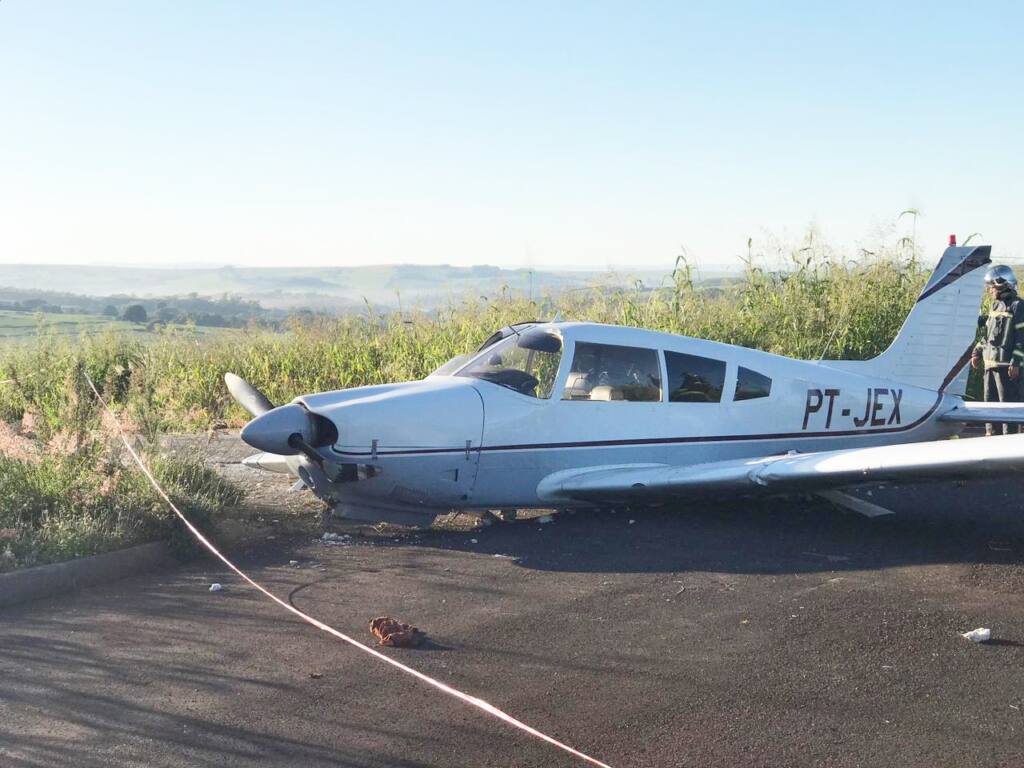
215, 587
979, 635
544, 519
335, 538
316, 675
395, 633
293, 563
473, 541
631, 522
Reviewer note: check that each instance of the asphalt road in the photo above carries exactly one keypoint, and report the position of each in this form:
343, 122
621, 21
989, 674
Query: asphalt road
776, 634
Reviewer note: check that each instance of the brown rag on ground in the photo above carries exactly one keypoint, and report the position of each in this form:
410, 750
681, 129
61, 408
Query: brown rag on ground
395, 633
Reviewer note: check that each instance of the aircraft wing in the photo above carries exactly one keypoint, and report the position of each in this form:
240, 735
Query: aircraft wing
825, 470
980, 413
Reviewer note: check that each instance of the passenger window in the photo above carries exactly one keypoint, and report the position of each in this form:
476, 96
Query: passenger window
610, 372
751, 385
693, 379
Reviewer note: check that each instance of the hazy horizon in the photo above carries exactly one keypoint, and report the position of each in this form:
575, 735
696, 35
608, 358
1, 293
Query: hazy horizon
577, 137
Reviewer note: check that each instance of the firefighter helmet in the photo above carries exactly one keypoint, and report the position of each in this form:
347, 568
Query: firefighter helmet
1000, 275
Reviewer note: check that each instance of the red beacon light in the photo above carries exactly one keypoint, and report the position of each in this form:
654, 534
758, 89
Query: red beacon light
952, 240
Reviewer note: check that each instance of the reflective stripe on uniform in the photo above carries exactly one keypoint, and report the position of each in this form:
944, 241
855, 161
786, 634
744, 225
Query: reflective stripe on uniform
1018, 353
994, 364
1000, 313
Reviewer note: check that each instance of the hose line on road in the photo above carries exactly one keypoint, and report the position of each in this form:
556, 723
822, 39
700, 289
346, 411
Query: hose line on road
473, 701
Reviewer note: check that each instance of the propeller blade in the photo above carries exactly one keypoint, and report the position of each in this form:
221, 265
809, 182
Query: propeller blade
247, 396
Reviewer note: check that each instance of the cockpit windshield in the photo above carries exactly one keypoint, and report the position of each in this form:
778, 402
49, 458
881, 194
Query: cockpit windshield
451, 366
526, 363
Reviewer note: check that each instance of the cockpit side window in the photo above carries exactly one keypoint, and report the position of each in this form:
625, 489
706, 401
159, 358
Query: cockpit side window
694, 379
751, 385
609, 372
526, 363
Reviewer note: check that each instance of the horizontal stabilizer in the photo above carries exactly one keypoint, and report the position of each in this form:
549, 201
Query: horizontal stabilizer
982, 413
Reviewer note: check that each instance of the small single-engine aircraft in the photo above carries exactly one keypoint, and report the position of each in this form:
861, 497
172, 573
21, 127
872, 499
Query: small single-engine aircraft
570, 414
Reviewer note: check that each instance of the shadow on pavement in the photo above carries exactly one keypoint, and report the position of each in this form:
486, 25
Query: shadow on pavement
936, 524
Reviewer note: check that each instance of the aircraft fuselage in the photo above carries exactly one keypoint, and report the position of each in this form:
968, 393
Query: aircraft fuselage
454, 441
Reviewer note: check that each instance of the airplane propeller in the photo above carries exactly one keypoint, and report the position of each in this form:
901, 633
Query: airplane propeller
247, 396
286, 430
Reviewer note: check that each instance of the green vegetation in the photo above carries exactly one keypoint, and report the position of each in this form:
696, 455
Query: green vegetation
68, 487
56, 505
821, 306
30, 327
26, 326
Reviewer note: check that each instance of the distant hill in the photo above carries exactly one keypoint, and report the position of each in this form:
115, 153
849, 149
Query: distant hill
327, 288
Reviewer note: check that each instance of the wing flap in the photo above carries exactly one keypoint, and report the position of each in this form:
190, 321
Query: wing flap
940, 459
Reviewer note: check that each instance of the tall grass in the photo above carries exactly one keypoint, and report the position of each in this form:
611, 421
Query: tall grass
820, 305
59, 505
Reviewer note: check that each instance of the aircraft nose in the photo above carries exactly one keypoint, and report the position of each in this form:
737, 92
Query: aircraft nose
271, 431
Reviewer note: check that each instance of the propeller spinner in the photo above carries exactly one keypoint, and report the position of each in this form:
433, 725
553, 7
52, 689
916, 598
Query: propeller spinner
286, 430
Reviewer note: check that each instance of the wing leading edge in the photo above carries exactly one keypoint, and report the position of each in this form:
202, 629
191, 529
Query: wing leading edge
940, 459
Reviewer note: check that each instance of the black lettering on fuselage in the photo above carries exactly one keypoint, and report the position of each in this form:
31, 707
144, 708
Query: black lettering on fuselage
897, 395
861, 421
831, 394
874, 407
813, 404
877, 421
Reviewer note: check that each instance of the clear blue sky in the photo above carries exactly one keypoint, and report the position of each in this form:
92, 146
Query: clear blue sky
582, 134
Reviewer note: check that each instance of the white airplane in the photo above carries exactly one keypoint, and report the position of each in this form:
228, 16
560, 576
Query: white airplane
570, 414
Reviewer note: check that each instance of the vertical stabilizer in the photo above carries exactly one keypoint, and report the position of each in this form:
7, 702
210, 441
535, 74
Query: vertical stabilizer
933, 346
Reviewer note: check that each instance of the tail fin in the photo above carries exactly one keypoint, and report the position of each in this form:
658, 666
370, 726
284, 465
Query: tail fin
933, 346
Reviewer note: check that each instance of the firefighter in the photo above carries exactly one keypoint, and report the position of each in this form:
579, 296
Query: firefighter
1002, 351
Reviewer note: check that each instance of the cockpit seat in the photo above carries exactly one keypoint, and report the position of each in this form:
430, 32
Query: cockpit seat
604, 392
578, 386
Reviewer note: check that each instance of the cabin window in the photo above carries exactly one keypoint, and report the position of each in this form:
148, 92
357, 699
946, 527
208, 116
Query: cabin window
526, 363
694, 379
751, 385
608, 372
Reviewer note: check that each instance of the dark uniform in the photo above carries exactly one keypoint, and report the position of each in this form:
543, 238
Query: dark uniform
1003, 346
